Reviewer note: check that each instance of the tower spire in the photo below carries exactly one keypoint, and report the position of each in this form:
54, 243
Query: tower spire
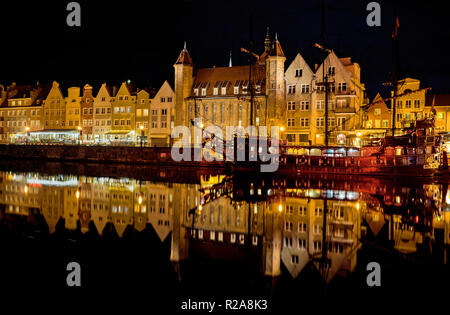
184, 57
231, 63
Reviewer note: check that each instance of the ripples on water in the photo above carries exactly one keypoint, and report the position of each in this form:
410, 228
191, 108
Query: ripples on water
217, 236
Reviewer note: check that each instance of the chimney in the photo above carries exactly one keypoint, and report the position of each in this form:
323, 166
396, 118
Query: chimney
114, 91
316, 66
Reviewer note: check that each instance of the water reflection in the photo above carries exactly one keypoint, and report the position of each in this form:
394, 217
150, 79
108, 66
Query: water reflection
284, 223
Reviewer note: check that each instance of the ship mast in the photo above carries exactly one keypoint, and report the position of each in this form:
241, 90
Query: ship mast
394, 70
324, 73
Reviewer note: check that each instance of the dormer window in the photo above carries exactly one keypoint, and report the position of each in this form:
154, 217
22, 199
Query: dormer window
236, 86
216, 91
224, 87
204, 92
245, 85
196, 92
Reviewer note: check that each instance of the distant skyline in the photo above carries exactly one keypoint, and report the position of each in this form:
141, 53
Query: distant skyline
140, 41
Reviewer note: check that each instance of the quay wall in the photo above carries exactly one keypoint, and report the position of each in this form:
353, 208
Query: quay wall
96, 154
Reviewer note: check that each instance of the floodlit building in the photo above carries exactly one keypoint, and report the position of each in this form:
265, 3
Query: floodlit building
102, 114
87, 114
161, 116
410, 102
123, 118
221, 95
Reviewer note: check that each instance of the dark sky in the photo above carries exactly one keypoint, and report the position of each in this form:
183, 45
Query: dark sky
140, 40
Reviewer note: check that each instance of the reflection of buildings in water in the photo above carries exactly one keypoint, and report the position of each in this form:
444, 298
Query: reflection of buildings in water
87, 199
292, 236
303, 234
101, 203
406, 237
17, 195
71, 197
85, 203
121, 194
160, 208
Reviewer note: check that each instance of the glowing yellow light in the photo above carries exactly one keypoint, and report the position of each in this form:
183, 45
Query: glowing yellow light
359, 134
25, 189
27, 128
280, 207
141, 127
397, 199
447, 197
201, 125
357, 206
77, 194
140, 200
281, 128
317, 135
79, 128
200, 208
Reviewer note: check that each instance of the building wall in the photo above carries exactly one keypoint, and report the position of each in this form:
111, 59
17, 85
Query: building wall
87, 112
161, 115
123, 109
142, 113
54, 107
301, 111
409, 107
73, 108
102, 114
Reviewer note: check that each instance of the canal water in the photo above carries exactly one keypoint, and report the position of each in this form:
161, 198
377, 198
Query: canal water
160, 237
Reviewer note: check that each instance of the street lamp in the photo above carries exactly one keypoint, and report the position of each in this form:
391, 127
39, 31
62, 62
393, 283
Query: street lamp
27, 129
80, 130
142, 133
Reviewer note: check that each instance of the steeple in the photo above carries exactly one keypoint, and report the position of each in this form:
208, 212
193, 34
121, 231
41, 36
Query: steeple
184, 58
231, 63
267, 40
276, 48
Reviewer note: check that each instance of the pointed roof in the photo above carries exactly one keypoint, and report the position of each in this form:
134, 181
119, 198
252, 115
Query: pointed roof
184, 58
276, 48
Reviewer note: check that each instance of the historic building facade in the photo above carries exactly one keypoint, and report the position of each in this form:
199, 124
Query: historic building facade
54, 107
87, 113
72, 109
221, 95
410, 102
123, 119
102, 113
161, 116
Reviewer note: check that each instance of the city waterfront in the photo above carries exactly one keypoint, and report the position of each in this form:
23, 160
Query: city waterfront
193, 234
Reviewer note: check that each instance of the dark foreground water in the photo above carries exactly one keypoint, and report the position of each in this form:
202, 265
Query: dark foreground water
160, 237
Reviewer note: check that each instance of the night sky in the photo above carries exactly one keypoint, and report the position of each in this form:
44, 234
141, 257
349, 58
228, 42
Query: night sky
140, 40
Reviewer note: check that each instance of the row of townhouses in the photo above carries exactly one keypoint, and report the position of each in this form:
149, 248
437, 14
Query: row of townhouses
292, 98
112, 116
